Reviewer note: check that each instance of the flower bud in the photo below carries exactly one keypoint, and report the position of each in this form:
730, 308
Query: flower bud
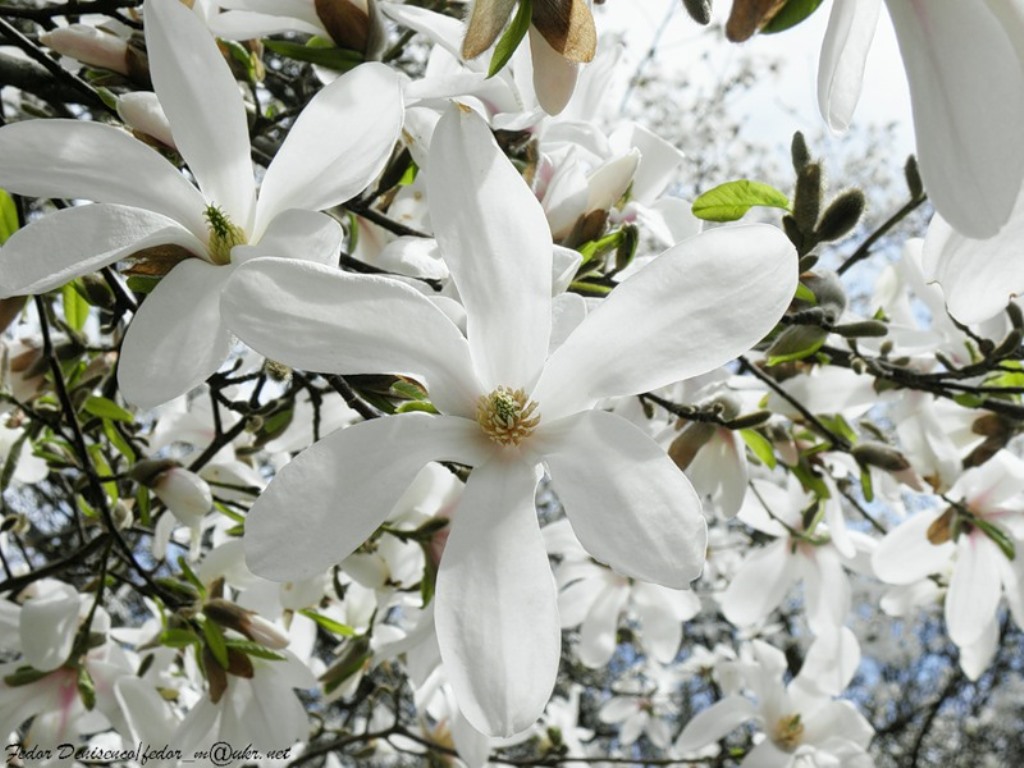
90, 46
141, 111
881, 456
699, 10
841, 216
185, 493
231, 616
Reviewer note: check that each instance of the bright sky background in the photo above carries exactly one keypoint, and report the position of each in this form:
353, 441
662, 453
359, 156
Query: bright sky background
781, 105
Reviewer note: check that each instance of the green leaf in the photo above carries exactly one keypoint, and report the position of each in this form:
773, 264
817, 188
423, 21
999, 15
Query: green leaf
338, 59
177, 638
791, 14
107, 409
8, 216
512, 37
998, 536
760, 446
602, 245
76, 309
731, 201
189, 574
123, 446
805, 294
329, 624
103, 468
86, 688
796, 343
250, 648
24, 676
141, 284
867, 487
142, 500
416, 405
216, 643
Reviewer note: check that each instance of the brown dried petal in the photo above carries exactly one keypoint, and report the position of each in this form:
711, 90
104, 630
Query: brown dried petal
486, 21
346, 22
568, 26
749, 16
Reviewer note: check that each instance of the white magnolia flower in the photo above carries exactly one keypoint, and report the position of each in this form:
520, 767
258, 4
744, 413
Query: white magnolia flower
981, 531
802, 722
336, 146
508, 410
963, 63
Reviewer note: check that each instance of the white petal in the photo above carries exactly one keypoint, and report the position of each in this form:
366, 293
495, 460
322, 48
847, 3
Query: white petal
141, 111
693, 308
47, 627
719, 472
76, 241
975, 658
844, 51
177, 338
662, 613
71, 159
978, 277
826, 590
496, 613
628, 503
905, 554
330, 498
296, 234
247, 25
554, 77
715, 722
760, 584
338, 144
203, 105
319, 319
974, 590
598, 633
496, 242
967, 93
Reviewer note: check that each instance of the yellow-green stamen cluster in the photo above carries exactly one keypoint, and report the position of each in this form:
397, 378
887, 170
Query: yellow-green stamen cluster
506, 415
789, 732
223, 234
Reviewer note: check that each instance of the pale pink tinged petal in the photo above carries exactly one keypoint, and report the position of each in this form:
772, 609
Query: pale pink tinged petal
844, 52
177, 338
320, 319
496, 612
204, 106
975, 658
296, 234
76, 241
713, 723
998, 481
598, 633
246, 25
628, 503
71, 159
692, 309
329, 499
760, 584
496, 242
978, 277
974, 589
554, 77
47, 627
338, 144
905, 554
965, 117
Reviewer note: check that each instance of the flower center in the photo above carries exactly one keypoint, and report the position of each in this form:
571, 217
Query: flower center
506, 415
223, 234
789, 731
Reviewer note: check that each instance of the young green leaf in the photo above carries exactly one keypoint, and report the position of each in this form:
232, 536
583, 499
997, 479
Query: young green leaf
8, 217
513, 36
732, 200
791, 14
